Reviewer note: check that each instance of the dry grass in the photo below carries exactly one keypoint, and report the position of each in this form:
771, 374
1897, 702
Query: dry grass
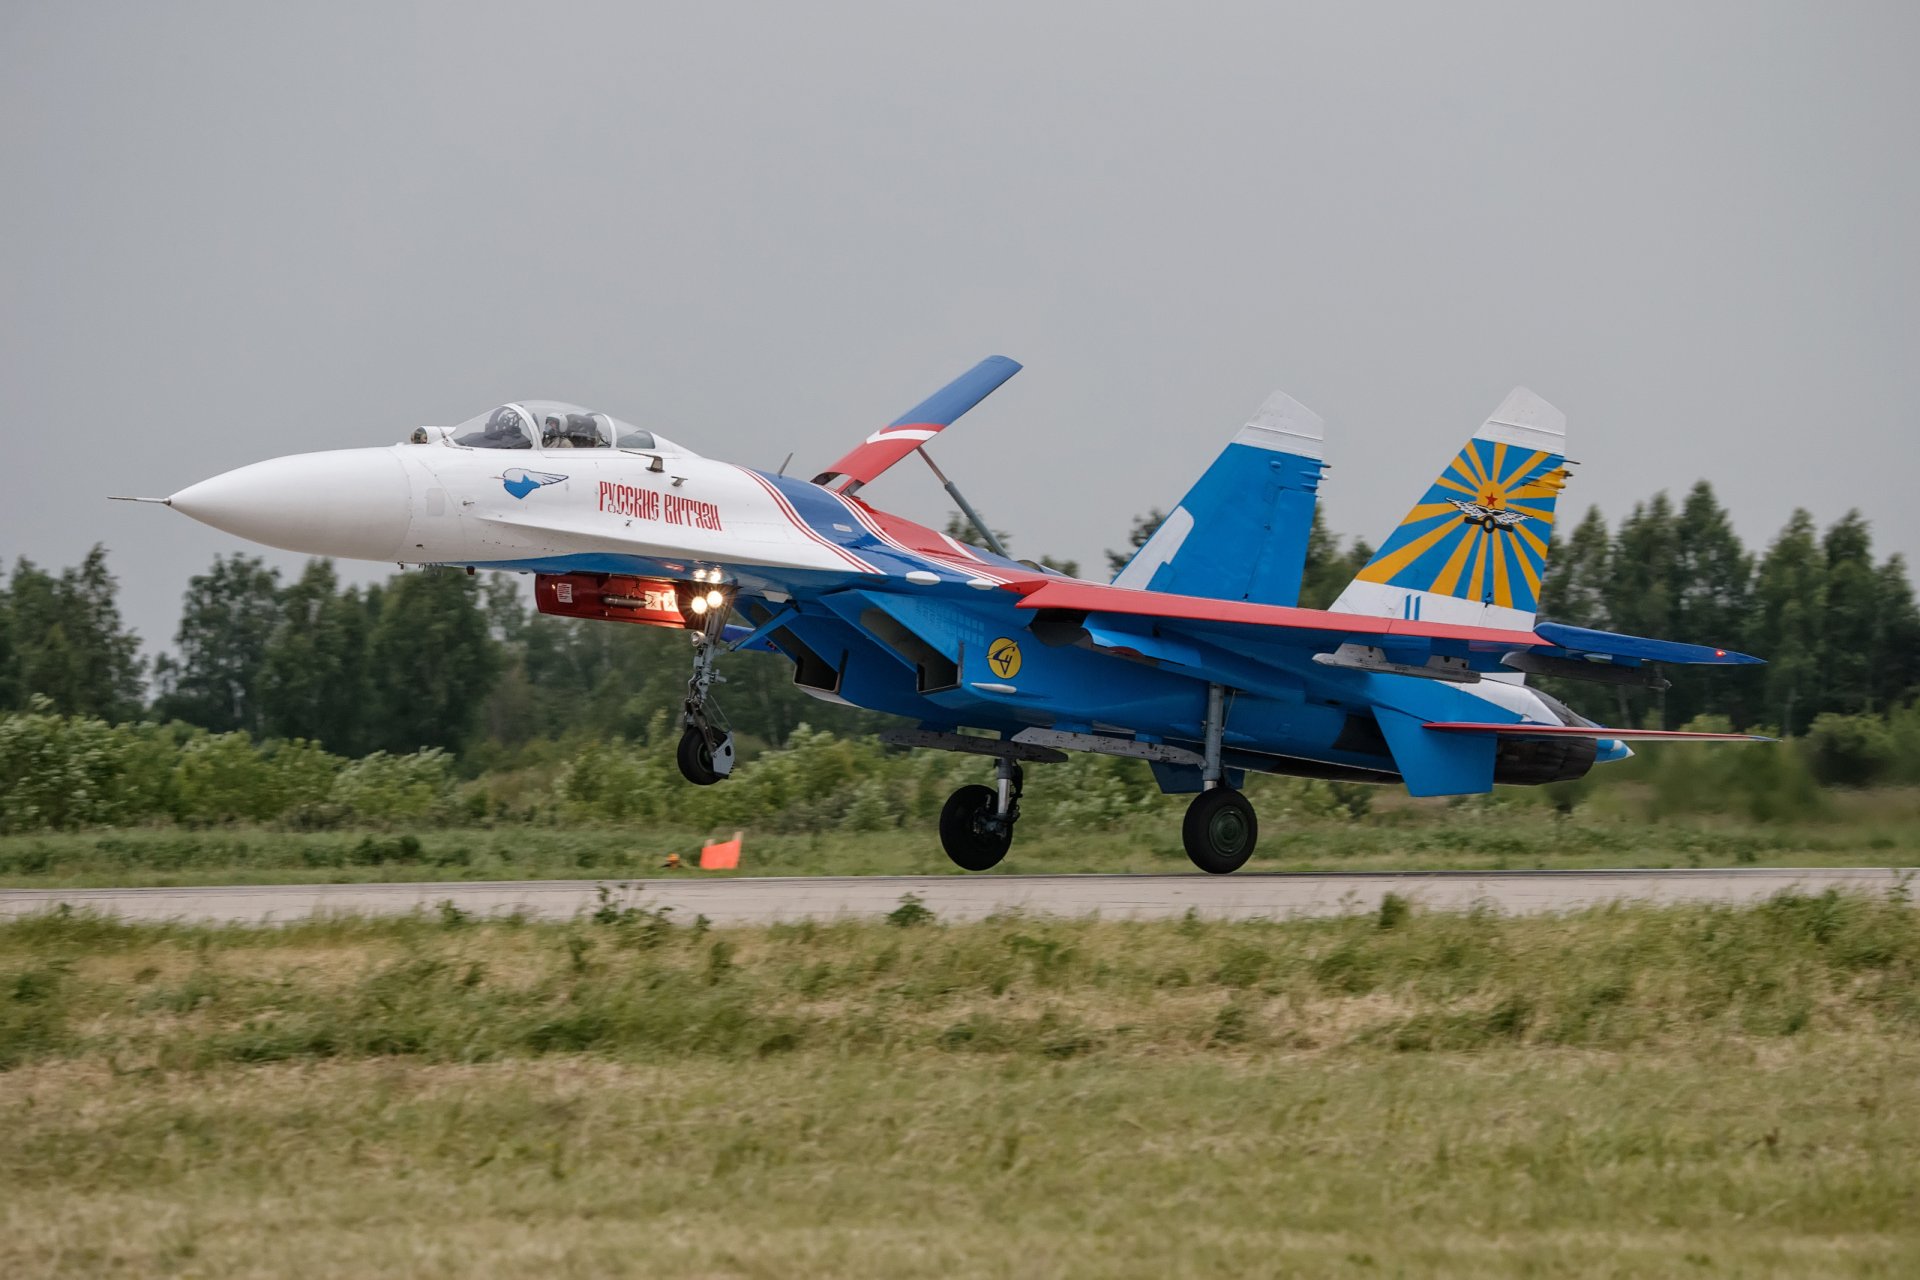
1689, 1091
1868, 828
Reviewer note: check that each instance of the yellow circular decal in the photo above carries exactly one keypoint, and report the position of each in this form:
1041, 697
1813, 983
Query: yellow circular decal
1003, 655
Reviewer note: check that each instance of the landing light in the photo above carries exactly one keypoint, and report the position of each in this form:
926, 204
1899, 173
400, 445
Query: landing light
715, 599
699, 605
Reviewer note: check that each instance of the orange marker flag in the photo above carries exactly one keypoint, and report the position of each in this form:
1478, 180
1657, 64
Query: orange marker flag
724, 856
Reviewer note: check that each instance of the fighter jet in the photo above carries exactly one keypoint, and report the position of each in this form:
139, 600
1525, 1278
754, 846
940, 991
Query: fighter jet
1196, 658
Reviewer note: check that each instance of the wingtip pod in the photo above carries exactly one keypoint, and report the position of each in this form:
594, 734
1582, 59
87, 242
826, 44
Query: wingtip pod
1284, 425
1526, 420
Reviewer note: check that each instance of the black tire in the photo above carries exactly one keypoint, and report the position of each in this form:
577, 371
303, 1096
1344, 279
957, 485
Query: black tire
966, 834
1220, 831
696, 758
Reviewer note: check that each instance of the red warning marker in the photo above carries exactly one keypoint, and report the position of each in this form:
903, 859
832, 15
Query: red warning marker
724, 856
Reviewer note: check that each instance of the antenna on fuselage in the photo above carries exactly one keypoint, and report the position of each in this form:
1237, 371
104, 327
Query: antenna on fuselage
993, 543
783, 466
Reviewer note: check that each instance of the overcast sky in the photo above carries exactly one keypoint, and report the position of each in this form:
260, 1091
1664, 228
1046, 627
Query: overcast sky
238, 231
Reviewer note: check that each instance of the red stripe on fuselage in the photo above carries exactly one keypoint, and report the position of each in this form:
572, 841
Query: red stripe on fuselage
780, 500
918, 540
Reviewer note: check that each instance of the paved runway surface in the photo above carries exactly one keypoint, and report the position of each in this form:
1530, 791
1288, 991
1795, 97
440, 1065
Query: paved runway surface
763, 901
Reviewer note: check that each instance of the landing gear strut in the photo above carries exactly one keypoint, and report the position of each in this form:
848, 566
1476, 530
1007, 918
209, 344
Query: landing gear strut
706, 744
1220, 829
976, 825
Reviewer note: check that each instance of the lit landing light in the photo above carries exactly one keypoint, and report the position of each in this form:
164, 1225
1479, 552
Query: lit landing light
715, 599
699, 606
353, 504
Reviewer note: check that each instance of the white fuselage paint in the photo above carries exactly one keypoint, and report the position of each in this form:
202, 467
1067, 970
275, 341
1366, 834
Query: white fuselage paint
439, 503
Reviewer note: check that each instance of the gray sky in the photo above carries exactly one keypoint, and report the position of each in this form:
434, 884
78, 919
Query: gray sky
237, 231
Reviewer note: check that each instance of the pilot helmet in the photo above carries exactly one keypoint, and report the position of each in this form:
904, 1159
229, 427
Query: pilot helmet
503, 422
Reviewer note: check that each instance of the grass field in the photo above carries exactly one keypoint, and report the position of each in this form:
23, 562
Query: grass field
1690, 1091
1863, 829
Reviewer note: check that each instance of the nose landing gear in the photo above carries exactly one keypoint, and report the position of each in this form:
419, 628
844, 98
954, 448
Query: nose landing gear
976, 824
706, 745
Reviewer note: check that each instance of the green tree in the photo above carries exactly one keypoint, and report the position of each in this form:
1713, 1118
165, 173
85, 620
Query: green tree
1329, 566
1894, 660
1850, 618
69, 644
1790, 592
1579, 571
431, 660
11, 698
1642, 591
313, 680
961, 529
1144, 527
1061, 565
1712, 583
229, 616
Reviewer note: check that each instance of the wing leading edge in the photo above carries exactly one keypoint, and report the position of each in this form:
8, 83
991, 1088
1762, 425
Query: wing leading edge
1482, 647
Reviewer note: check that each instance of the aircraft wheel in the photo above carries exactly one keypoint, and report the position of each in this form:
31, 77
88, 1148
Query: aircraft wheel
696, 758
1220, 831
969, 832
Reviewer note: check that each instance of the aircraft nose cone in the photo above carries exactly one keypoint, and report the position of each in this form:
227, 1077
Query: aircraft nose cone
355, 504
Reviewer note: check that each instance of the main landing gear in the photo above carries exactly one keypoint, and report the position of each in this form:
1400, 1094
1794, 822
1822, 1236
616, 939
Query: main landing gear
706, 744
1220, 829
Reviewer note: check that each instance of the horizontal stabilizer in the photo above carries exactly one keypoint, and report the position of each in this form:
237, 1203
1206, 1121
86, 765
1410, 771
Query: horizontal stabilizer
1611, 644
1590, 731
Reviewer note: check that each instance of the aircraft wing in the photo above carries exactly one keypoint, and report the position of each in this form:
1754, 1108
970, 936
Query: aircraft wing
918, 425
1479, 648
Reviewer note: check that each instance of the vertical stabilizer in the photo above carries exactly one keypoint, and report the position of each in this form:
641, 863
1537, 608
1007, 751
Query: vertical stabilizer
1241, 531
1474, 548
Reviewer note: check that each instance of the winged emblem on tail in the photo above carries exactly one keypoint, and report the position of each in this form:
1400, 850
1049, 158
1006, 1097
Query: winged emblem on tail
1488, 518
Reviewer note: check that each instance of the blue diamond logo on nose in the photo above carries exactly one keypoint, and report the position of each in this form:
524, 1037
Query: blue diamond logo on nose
520, 482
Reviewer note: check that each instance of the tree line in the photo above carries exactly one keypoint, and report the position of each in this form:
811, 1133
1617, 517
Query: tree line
446, 660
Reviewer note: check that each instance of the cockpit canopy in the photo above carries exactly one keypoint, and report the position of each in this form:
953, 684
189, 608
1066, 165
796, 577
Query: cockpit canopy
551, 425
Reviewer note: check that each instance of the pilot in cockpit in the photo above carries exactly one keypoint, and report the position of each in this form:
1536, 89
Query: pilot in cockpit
572, 431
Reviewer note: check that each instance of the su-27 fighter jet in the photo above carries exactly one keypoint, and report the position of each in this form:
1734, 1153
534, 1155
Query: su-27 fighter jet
1195, 658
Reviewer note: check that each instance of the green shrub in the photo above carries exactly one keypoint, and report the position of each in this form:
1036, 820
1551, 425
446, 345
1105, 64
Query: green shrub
60, 772
223, 778
389, 788
1851, 751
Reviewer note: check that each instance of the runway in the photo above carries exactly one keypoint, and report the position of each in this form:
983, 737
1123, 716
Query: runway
745, 901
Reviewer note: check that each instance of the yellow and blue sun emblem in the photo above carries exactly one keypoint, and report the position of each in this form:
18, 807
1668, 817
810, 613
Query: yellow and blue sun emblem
1481, 531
